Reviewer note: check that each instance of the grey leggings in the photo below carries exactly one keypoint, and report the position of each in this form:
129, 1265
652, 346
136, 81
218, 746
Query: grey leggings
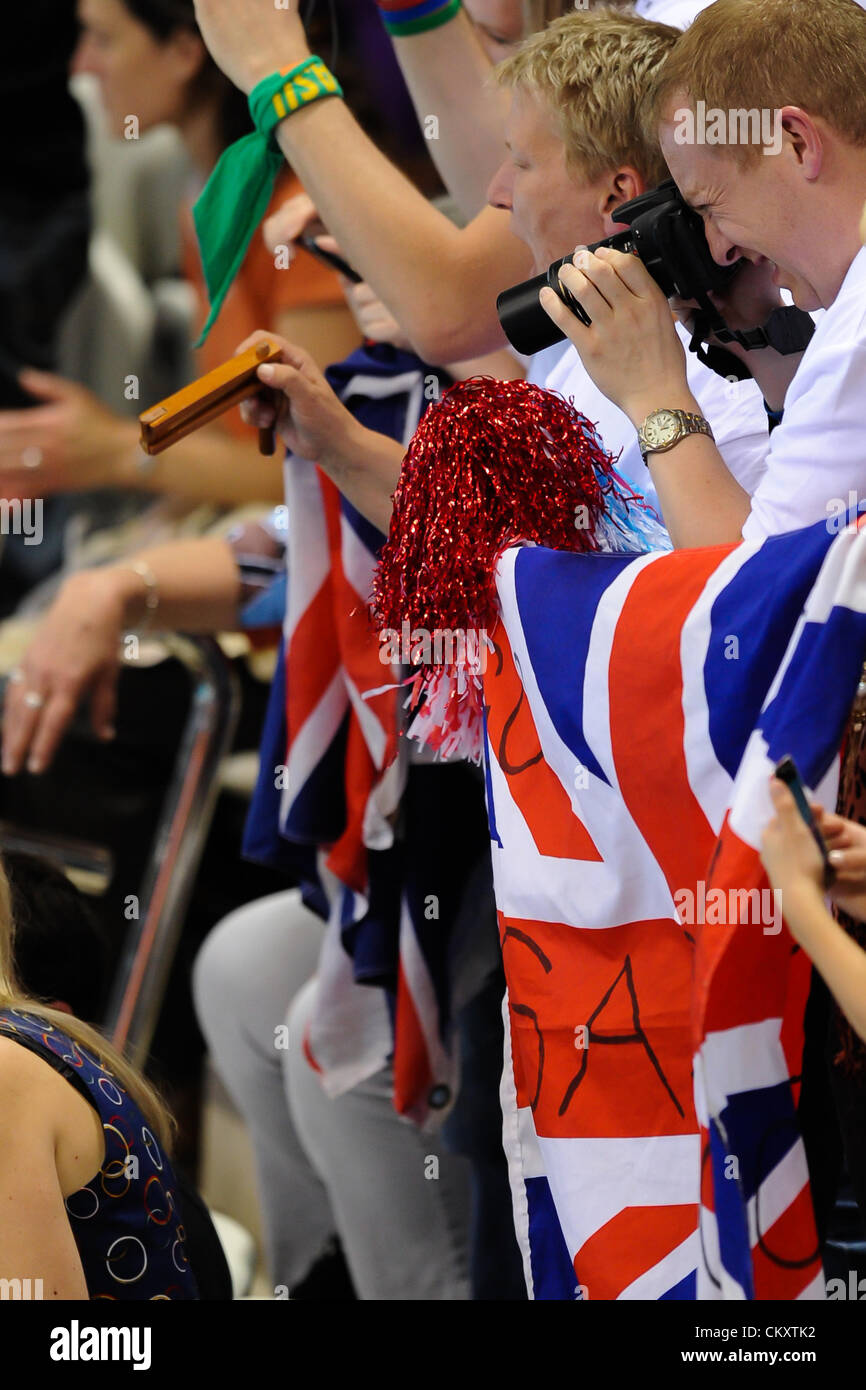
349, 1165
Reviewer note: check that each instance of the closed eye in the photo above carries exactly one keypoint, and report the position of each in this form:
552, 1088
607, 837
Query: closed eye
502, 40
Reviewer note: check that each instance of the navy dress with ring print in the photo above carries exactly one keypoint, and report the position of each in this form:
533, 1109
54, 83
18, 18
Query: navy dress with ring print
126, 1221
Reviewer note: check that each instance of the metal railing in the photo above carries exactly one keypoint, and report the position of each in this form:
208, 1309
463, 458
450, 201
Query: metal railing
151, 943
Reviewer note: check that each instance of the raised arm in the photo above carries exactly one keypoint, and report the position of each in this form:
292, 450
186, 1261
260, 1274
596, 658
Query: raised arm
440, 283
461, 112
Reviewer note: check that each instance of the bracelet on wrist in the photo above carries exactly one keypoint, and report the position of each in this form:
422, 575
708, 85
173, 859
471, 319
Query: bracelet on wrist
151, 598
404, 18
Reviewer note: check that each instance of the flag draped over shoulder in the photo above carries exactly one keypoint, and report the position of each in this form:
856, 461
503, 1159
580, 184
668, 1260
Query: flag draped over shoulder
335, 713
635, 708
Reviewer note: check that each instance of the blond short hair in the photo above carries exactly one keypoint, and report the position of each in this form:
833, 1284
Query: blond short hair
594, 70
766, 54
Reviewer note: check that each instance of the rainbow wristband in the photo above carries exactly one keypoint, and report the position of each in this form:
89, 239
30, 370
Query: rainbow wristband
403, 18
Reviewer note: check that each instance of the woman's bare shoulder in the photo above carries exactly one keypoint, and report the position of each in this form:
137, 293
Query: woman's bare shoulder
20, 1067
36, 1103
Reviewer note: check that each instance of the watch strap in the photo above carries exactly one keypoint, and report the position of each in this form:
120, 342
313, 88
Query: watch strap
689, 422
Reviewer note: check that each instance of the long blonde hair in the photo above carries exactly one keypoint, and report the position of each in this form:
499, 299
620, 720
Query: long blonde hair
12, 996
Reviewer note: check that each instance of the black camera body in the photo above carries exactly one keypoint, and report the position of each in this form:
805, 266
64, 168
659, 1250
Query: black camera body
662, 230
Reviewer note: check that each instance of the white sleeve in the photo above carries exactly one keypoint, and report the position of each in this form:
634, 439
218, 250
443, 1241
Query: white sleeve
817, 454
735, 410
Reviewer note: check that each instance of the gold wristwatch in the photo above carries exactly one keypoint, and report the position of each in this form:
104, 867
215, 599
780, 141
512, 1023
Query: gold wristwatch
662, 429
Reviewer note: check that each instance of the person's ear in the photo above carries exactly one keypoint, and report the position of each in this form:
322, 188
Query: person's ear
803, 138
187, 54
618, 188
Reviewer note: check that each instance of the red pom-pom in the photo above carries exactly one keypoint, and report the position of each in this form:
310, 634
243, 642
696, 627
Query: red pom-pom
492, 463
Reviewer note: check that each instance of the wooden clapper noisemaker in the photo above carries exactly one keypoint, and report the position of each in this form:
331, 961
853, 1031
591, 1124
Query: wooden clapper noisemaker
203, 400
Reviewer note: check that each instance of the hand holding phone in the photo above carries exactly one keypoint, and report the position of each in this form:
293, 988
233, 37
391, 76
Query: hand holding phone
786, 771
329, 258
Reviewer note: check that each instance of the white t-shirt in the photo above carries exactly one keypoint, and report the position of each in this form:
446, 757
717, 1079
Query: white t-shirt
677, 12
680, 12
542, 364
735, 411
817, 454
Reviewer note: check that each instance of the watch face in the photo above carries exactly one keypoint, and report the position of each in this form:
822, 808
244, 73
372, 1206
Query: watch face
660, 429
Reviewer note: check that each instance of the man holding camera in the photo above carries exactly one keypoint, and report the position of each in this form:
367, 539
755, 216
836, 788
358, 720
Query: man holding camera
571, 163
792, 216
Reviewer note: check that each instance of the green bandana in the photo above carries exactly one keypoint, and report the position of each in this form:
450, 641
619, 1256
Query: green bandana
238, 192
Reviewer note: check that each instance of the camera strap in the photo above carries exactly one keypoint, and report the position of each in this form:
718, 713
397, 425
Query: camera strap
718, 359
788, 330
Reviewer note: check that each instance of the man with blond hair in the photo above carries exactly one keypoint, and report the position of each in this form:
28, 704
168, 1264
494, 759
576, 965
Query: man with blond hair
792, 215
578, 146
577, 151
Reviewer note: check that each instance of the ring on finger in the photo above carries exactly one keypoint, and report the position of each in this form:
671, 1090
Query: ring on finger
34, 700
16, 676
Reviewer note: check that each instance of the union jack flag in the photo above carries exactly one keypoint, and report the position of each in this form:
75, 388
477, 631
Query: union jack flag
332, 739
635, 708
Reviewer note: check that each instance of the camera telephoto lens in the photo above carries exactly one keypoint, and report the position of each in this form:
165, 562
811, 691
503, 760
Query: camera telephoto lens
663, 231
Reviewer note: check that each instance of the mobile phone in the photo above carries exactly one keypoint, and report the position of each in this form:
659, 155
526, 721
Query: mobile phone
786, 771
330, 258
